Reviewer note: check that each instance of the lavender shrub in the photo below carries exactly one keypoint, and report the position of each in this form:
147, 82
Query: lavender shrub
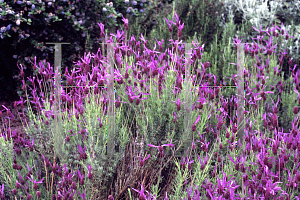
261, 169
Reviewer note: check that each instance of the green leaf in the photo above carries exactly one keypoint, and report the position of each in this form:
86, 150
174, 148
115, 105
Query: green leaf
57, 20
277, 20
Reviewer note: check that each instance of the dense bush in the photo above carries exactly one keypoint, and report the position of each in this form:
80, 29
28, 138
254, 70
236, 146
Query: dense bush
258, 169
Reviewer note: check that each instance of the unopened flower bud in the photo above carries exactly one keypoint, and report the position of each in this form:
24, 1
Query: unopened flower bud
221, 146
38, 194
137, 102
213, 174
15, 166
130, 99
14, 191
234, 129
295, 110
35, 187
237, 167
215, 135
227, 135
178, 107
29, 196
216, 154
193, 127
118, 104
189, 166
8, 112
18, 185
81, 182
74, 186
141, 163
206, 65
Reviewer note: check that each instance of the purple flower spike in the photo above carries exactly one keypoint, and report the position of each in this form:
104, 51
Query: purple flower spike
132, 39
21, 102
143, 39
68, 137
235, 162
204, 163
125, 23
30, 145
81, 177
31, 80
285, 32
175, 117
29, 169
35, 183
102, 34
177, 20
194, 125
237, 41
80, 149
46, 161
53, 167
260, 30
287, 36
110, 197
29, 196
118, 35
66, 170
90, 175
161, 148
142, 195
142, 161
170, 145
26, 188
204, 144
8, 112
160, 44
100, 124
170, 24
2, 191
189, 192
22, 181
179, 34
83, 195
178, 103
